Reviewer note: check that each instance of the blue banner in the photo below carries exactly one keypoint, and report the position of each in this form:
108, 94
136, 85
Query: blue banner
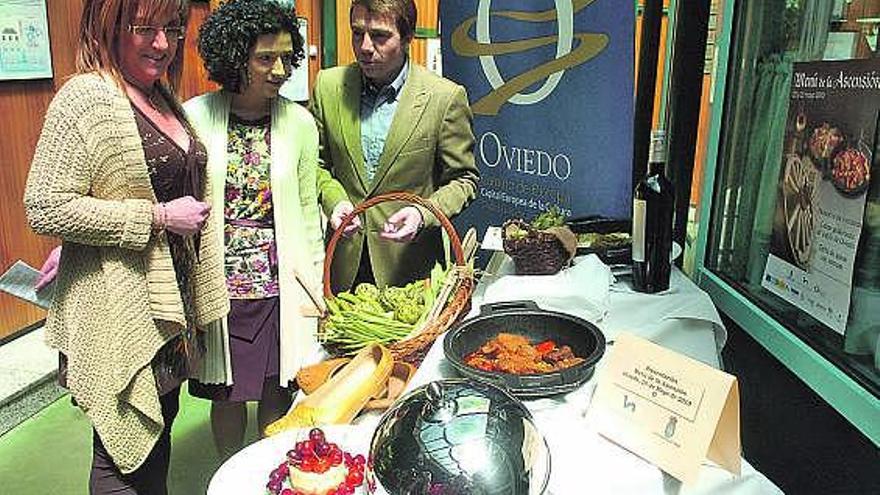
551, 87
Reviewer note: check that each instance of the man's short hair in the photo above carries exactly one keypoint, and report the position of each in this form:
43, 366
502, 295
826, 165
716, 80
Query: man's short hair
403, 11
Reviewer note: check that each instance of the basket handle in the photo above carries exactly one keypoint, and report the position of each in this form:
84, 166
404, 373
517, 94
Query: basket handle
454, 240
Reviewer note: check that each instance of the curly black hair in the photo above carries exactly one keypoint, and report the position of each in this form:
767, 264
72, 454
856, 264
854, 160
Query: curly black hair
231, 31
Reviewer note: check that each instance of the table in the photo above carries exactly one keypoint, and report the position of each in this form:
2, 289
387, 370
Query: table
683, 319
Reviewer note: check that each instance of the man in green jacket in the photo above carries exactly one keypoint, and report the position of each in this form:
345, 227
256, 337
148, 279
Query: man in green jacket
388, 125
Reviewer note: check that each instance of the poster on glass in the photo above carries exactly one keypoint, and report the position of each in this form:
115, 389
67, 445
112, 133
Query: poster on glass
824, 177
24, 40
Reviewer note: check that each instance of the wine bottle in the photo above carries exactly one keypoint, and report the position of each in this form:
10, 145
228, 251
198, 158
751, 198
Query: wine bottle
653, 209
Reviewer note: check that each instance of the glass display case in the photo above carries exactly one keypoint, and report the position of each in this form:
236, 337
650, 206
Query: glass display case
760, 134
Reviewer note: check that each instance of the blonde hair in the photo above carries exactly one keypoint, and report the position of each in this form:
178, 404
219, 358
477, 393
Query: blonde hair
101, 28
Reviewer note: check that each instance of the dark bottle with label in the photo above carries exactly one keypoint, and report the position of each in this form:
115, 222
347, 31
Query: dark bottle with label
653, 209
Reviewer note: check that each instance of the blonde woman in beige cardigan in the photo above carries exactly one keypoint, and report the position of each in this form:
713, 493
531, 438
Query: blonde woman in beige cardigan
118, 176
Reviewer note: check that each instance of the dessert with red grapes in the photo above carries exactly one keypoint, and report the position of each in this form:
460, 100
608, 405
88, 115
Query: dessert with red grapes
317, 467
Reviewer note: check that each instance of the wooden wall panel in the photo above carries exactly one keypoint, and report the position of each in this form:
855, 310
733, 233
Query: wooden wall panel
429, 16
311, 10
23, 105
344, 54
18, 137
194, 80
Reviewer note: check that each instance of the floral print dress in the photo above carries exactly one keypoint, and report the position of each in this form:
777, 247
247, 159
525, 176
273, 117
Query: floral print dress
251, 262
251, 265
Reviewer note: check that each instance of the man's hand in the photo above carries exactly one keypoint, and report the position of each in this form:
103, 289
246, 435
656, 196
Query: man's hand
49, 269
342, 209
403, 225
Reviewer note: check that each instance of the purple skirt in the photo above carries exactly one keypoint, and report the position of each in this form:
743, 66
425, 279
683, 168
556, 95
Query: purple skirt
254, 335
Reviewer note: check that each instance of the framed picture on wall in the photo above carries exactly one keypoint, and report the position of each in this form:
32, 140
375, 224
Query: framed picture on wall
24, 40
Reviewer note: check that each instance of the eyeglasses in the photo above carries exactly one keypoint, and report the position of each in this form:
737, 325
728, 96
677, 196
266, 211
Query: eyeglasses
150, 32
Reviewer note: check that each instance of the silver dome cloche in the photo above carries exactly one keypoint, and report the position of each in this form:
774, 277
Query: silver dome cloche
458, 437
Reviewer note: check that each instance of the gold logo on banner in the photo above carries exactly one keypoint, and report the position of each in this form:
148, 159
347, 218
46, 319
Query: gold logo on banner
567, 56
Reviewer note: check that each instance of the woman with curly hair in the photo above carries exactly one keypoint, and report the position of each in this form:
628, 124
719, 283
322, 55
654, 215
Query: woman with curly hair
262, 165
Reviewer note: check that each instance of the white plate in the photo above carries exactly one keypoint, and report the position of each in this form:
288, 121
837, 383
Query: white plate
676, 251
248, 470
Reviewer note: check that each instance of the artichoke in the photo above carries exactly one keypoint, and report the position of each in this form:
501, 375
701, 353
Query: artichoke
367, 291
409, 312
415, 291
391, 297
370, 305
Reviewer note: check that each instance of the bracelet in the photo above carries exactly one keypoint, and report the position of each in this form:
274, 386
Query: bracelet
161, 219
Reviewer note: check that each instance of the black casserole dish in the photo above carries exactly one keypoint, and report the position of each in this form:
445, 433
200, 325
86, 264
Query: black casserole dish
527, 319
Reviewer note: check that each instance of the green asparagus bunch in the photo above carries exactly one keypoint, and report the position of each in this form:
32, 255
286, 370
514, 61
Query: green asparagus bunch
370, 314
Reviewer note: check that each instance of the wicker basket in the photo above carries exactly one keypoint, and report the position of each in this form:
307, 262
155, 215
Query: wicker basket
540, 253
413, 349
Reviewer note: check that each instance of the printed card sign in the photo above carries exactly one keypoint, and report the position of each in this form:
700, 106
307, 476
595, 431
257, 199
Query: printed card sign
824, 176
667, 408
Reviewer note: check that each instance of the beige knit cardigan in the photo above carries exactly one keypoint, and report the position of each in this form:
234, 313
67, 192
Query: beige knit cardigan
116, 298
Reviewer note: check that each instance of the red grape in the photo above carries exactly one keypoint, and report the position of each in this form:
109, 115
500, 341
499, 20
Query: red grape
355, 477
322, 449
310, 446
316, 435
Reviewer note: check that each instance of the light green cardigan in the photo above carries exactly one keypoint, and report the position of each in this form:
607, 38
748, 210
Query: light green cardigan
298, 226
116, 298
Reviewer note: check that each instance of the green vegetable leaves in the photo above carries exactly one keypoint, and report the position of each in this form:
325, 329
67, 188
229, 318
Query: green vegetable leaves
385, 315
550, 218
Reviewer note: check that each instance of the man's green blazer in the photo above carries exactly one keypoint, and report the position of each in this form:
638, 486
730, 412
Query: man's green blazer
428, 152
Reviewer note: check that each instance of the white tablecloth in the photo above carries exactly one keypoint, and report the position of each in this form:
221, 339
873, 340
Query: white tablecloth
683, 319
